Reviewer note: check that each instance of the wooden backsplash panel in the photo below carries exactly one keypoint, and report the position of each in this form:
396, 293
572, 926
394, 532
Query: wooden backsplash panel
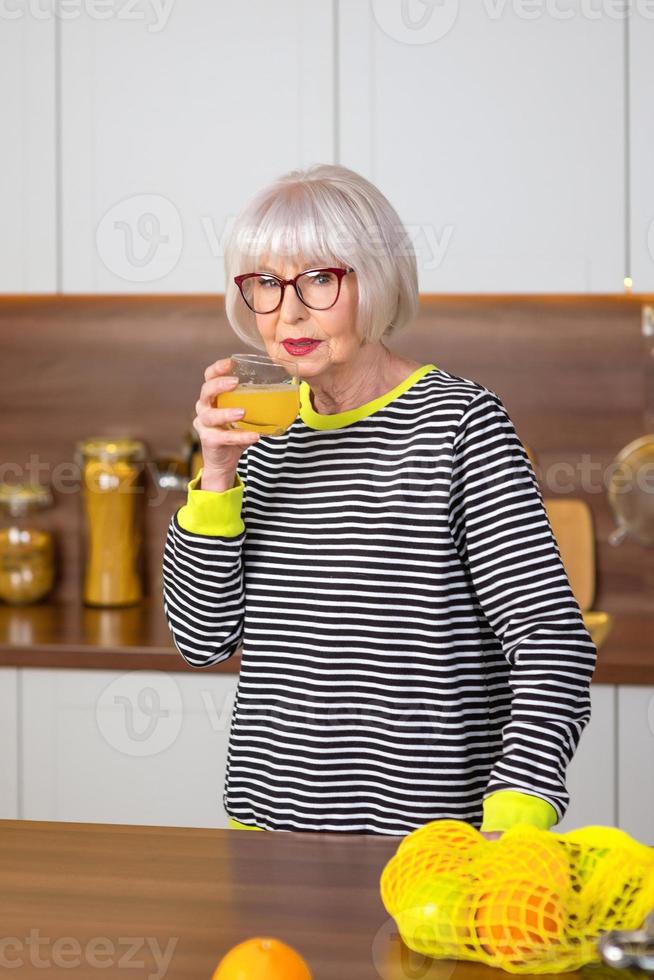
570, 372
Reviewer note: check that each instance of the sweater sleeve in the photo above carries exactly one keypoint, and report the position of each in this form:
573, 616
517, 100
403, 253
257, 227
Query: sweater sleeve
507, 548
203, 586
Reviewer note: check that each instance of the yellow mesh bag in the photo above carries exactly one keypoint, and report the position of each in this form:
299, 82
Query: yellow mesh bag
531, 901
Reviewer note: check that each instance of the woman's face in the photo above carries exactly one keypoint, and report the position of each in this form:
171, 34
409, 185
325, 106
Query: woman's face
335, 328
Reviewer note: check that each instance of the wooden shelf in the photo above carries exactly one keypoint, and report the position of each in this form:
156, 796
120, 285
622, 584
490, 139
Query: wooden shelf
68, 634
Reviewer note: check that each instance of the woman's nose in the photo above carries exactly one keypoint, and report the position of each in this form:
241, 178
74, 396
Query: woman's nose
292, 307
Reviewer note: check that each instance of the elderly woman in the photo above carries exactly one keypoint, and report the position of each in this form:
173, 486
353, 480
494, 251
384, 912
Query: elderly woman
411, 647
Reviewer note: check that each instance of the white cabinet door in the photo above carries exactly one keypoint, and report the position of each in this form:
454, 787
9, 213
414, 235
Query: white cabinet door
591, 774
27, 123
172, 117
636, 761
496, 130
9, 792
641, 147
137, 747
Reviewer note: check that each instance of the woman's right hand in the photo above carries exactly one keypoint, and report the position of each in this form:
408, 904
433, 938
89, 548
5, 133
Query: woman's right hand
222, 447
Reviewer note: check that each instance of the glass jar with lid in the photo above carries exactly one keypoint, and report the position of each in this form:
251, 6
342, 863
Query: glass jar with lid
27, 552
112, 484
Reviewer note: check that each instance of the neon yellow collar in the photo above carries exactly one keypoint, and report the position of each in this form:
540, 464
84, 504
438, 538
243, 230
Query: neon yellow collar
314, 420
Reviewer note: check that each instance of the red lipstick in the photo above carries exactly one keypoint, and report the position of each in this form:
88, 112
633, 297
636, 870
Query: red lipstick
300, 345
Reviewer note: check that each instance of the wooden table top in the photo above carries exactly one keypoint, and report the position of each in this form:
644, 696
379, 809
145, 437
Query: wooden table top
94, 900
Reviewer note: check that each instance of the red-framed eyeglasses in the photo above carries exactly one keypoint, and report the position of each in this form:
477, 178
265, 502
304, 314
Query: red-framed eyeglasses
318, 289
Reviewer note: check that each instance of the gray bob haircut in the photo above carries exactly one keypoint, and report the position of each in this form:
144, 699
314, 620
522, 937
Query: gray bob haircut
322, 216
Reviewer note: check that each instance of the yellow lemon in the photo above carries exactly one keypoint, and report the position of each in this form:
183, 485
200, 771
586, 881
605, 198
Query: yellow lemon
429, 914
441, 847
447, 835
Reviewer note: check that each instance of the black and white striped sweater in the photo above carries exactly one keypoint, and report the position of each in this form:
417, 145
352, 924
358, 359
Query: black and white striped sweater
411, 646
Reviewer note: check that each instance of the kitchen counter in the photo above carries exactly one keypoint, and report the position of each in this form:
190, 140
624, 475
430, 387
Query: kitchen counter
68, 634
174, 900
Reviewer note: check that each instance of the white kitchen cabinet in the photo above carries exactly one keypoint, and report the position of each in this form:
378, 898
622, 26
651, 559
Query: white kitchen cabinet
636, 761
172, 121
641, 146
591, 774
9, 701
496, 130
151, 747
140, 747
28, 235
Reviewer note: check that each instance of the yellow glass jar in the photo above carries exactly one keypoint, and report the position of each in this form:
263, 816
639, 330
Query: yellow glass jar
27, 553
112, 484
193, 453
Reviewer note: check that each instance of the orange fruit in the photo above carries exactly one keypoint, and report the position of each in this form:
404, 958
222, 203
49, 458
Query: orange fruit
262, 958
518, 918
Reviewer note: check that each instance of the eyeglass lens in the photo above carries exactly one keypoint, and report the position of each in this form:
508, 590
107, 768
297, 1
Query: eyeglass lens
318, 289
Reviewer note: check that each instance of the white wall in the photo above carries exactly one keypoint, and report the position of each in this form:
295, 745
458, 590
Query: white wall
166, 132
499, 138
28, 239
497, 130
641, 151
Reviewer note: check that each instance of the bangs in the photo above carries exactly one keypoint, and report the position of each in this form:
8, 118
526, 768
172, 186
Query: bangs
288, 229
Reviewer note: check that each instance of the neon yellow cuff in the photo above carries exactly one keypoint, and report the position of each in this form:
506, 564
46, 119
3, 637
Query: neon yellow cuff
236, 825
506, 807
212, 513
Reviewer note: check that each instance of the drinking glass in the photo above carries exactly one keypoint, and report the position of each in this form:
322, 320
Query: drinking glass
269, 393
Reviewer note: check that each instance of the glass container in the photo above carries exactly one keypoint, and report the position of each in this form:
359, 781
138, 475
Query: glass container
112, 485
27, 553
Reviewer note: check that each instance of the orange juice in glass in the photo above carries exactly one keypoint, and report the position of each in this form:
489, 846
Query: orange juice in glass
269, 393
